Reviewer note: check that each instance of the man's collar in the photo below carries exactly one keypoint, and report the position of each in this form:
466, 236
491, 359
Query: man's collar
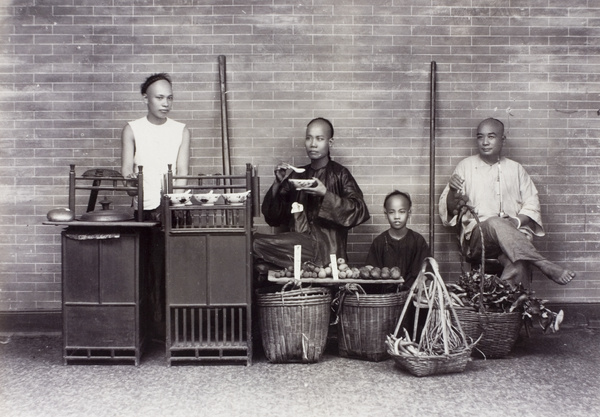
481, 162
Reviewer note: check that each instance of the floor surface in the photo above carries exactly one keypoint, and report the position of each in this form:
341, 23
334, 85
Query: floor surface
545, 375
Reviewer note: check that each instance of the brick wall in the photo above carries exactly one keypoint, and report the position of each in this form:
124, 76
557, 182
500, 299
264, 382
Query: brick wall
70, 71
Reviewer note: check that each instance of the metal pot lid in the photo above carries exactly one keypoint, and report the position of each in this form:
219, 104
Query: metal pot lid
106, 214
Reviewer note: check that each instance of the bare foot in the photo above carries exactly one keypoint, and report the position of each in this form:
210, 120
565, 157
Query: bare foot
554, 272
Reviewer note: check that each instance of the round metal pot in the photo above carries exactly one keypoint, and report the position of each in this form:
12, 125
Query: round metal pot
106, 214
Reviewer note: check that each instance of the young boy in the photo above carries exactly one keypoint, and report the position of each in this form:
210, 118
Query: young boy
399, 246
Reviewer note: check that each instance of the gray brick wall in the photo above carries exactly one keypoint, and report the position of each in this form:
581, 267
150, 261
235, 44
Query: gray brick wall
70, 71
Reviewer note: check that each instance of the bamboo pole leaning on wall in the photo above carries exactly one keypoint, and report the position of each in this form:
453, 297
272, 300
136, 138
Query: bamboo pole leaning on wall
432, 204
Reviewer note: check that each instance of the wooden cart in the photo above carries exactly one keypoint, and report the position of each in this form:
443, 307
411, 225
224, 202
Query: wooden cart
104, 277
209, 272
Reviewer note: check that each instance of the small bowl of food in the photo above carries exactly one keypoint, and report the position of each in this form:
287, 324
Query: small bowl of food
303, 183
236, 199
180, 199
206, 199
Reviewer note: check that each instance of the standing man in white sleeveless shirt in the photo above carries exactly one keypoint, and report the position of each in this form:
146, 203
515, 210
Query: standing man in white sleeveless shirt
154, 142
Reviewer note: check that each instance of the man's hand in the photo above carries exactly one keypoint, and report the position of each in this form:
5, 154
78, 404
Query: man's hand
282, 172
519, 221
456, 196
456, 183
132, 175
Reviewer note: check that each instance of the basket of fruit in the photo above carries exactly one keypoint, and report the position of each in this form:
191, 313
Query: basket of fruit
294, 322
440, 345
341, 272
364, 320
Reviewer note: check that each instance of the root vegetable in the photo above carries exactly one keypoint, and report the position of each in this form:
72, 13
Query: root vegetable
455, 298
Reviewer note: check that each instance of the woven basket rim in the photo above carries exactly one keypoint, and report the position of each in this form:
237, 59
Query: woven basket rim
374, 300
466, 351
473, 310
268, 291
294, 302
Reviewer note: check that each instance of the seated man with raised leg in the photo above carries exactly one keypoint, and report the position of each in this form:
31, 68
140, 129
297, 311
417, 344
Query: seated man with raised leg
506, 202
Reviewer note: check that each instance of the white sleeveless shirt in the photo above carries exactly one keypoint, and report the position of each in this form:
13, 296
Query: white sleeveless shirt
156, 146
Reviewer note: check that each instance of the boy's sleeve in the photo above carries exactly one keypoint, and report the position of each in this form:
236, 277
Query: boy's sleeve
374, 255
422, 252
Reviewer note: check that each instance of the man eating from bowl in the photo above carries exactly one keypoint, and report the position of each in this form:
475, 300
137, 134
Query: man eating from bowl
318, 212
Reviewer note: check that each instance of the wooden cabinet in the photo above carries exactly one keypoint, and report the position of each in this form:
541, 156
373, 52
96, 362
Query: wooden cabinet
207, 268
104, 293
208, 275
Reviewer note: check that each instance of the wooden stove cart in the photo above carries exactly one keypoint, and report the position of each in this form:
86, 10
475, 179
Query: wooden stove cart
104, 297
209, 272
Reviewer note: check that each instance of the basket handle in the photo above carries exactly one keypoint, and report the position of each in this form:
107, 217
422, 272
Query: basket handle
463, 210
412, 290
442, 296
348, 288
290, 286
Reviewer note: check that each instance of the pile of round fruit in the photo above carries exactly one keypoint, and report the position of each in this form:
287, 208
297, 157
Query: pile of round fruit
368, 272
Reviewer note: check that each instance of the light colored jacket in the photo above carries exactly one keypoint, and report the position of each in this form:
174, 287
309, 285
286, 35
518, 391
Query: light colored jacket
504, 186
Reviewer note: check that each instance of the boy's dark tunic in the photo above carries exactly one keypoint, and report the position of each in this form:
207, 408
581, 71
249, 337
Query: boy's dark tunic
322, 228
407, 254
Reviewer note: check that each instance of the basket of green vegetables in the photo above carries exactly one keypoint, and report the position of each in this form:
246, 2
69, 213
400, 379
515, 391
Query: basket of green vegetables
492, 311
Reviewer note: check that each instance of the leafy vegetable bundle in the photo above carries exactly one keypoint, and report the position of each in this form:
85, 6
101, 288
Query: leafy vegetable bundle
498, 297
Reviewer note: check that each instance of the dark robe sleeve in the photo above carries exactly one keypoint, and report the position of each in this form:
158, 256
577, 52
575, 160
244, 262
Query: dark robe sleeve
344, 205
276, 209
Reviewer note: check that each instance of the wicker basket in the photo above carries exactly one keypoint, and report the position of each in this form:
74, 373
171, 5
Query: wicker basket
294, 323
433, 365
500, 330
363, 322
431, 353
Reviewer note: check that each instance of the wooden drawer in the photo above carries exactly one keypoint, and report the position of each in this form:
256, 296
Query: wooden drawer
100, 326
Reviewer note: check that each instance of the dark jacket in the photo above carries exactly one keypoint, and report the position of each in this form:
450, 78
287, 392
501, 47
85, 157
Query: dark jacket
407, 253
327, 219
